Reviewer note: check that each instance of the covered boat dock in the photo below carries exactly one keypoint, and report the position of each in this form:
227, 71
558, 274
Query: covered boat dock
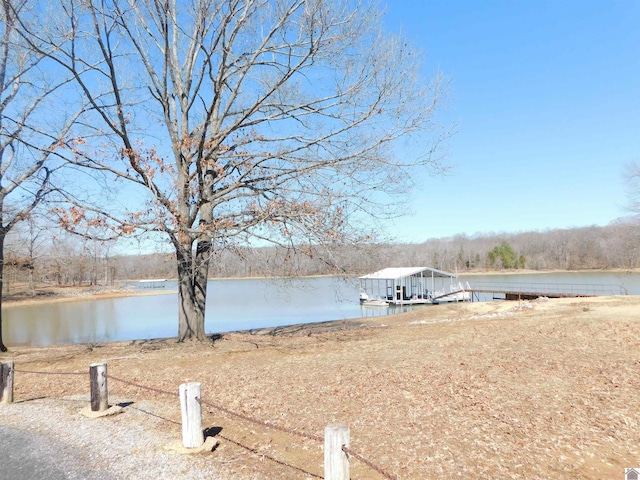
404, 286
153, 283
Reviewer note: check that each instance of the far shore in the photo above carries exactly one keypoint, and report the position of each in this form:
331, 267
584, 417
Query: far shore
19, 296
72, 294
465, 273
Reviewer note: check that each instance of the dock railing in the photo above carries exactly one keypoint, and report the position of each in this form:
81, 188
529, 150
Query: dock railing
549, 289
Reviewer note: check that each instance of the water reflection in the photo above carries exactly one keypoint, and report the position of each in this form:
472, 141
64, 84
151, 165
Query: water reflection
231, 305
375, 311
69, 322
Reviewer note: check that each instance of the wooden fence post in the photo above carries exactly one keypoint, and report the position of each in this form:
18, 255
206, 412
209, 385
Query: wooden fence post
336, 461
99, 393
192, 432
6, 382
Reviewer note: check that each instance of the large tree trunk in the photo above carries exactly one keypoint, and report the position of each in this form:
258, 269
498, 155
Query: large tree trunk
192, 293
3, 348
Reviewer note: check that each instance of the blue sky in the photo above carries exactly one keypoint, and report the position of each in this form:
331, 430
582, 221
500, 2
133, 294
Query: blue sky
545, 96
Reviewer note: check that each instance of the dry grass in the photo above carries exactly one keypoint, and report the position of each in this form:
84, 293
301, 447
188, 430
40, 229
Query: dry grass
546, 389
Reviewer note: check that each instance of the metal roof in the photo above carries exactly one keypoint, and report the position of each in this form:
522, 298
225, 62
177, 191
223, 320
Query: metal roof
396, 273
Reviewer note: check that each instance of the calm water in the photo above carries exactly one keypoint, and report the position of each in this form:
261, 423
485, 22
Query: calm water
233, 305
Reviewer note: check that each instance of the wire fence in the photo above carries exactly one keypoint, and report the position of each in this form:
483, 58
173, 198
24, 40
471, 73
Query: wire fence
211, 405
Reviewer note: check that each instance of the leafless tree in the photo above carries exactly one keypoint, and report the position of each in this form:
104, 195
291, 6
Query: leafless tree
242, 122
64, 259
29, 138
24, 249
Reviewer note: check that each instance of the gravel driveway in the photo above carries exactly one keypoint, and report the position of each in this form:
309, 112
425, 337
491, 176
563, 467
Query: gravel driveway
49, 438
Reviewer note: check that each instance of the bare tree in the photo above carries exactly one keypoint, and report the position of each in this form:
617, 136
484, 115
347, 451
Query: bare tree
243, 122
29, 137
25, 247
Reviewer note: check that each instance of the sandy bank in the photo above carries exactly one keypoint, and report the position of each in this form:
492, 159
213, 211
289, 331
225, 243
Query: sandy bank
78, 294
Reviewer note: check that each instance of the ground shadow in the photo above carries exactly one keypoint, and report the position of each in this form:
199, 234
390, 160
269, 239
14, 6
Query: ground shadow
25, 400
212, 431
215, 337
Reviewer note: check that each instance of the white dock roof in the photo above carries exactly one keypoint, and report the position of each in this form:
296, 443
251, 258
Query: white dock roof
402, 272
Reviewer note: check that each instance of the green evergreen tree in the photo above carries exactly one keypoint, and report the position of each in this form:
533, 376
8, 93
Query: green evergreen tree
504, 256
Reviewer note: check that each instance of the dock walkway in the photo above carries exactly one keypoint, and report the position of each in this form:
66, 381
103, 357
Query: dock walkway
530, 291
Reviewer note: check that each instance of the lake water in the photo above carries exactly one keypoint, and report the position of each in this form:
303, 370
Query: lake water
238, 305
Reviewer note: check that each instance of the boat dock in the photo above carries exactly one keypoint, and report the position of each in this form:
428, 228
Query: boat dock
411, 286
153, 283
531, 291
424, 285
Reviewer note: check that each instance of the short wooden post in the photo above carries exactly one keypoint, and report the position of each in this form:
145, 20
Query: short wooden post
99, 392
336, 461
6, 382
192, 432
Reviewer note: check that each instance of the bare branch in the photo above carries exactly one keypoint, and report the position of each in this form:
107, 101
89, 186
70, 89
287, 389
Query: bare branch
244, 121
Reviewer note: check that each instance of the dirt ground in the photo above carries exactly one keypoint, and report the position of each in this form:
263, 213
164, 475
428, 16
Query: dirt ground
540, 389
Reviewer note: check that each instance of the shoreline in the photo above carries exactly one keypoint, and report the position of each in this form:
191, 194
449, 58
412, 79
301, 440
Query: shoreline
67, 294
80, 295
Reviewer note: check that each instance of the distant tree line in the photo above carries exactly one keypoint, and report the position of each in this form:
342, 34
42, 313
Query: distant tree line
66, 260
